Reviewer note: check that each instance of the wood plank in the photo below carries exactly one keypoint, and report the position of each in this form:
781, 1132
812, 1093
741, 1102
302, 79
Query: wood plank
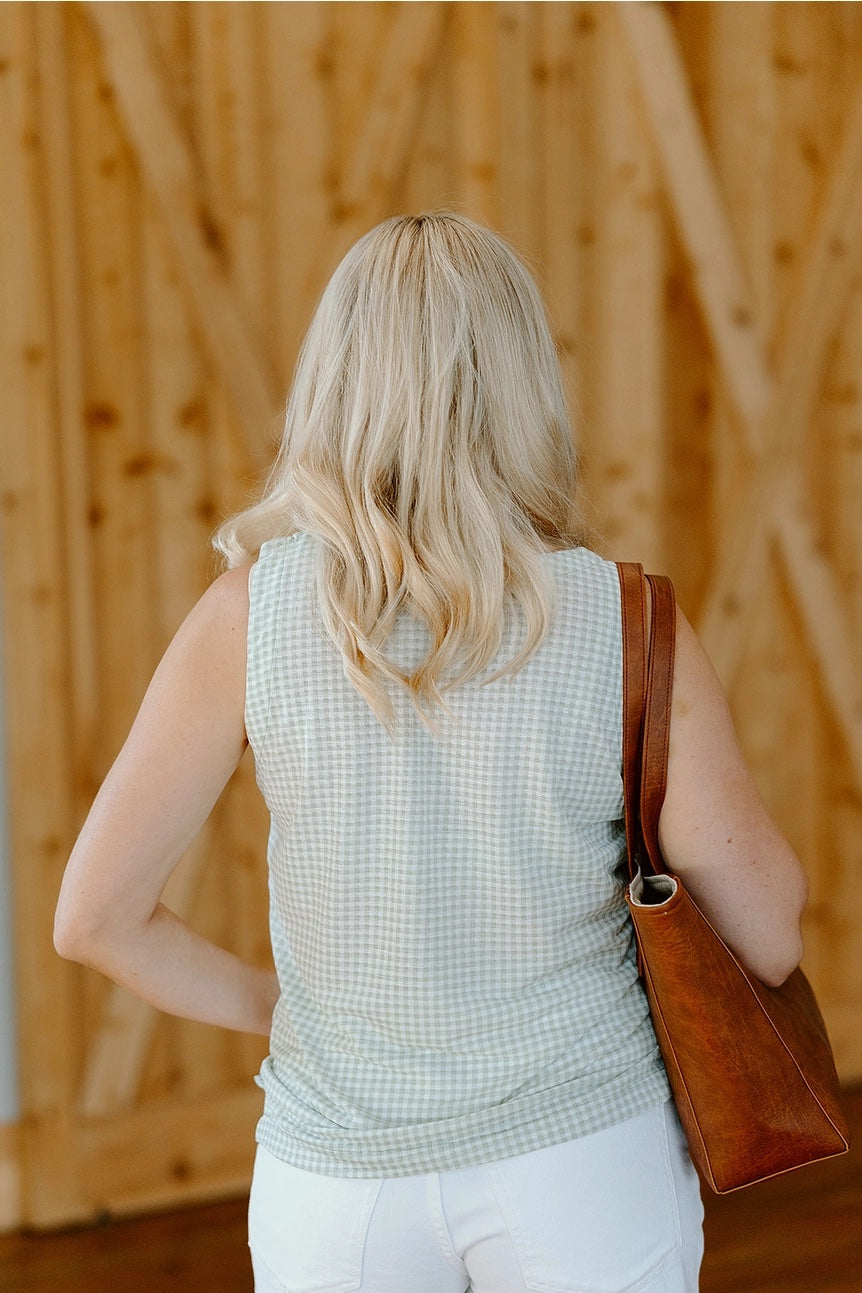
476, 143
356, 30
166, 161
244, 150
122, 463
840, 1003
740, 110
811, 576
381, 149
169, 1150
11, 1153
561, 188
298, 68
228, 468
700, 212
35, 627
833, 468
575, 179
628, 467
518, 153
63, 249
826, 273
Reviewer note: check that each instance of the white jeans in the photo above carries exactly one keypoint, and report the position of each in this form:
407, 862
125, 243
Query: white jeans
615, 1212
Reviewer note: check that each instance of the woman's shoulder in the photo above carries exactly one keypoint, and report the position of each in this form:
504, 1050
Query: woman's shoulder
279, 551
584, 570
581, 557
225, 604
279, 544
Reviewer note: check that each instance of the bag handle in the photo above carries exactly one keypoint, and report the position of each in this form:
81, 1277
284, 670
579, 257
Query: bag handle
647, 691
633, 608
656, 732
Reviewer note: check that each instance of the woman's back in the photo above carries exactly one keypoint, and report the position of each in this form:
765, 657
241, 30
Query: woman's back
448, 923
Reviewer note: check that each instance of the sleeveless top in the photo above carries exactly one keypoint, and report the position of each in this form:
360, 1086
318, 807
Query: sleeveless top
456, 964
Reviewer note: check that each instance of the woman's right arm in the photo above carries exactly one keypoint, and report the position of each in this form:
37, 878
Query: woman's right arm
715, 831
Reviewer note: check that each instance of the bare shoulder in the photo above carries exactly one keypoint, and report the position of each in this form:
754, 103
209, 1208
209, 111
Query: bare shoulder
707, 772
205, 663
217, 625
226, 600
697, 690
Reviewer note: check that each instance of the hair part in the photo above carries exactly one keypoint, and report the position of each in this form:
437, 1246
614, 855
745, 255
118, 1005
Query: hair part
427, 444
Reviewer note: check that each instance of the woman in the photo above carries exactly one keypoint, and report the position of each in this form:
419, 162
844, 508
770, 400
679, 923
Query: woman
464, 1089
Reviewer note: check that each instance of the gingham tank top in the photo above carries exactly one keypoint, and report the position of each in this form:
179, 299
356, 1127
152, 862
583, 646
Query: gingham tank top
457, 972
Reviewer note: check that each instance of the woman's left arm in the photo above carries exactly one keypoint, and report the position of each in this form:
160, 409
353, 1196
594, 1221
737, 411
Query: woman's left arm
187, 739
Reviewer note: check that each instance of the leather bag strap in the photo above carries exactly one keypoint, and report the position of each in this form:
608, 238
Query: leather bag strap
633, 608
647, 691
656, 730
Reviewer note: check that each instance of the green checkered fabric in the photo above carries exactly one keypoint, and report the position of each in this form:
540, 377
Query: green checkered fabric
457, 971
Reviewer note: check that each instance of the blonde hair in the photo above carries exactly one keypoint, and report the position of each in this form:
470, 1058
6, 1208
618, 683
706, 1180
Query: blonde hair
427, 443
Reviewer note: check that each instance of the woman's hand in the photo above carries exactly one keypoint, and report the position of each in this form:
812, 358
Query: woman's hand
187, 739
715, 832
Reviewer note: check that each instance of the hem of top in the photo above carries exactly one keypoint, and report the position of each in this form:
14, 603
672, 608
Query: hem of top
492, 1147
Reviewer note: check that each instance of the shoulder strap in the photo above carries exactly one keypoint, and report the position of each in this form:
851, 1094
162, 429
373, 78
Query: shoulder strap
647, 690
656, 731
633, 608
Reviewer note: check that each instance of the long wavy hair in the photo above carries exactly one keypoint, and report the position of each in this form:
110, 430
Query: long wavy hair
427, 444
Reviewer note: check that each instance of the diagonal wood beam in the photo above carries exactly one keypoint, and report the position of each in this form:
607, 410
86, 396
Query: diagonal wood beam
831, 257
775, 430
700, 213
63, 261
812, 578
168, 165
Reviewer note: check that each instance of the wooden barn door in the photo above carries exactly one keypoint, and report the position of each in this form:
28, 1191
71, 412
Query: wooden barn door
177, 182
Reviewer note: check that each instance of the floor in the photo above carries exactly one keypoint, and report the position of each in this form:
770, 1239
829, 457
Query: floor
801, 1233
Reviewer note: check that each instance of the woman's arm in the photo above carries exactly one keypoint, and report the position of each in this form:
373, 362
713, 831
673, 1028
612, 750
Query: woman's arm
715, 831
186, 741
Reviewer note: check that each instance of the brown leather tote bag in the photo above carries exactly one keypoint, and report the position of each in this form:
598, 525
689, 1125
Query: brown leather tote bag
750, 1067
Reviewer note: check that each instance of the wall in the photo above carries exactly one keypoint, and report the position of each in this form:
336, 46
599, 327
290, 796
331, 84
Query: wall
179, 180
9, 1098
8, 1043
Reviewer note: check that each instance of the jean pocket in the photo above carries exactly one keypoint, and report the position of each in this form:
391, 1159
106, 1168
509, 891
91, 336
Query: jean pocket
307, 1230
595, 1215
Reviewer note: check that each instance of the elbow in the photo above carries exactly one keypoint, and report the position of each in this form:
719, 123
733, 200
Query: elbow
98, 939
76, 938
781, 966
784, 962
70, 940
778, 973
